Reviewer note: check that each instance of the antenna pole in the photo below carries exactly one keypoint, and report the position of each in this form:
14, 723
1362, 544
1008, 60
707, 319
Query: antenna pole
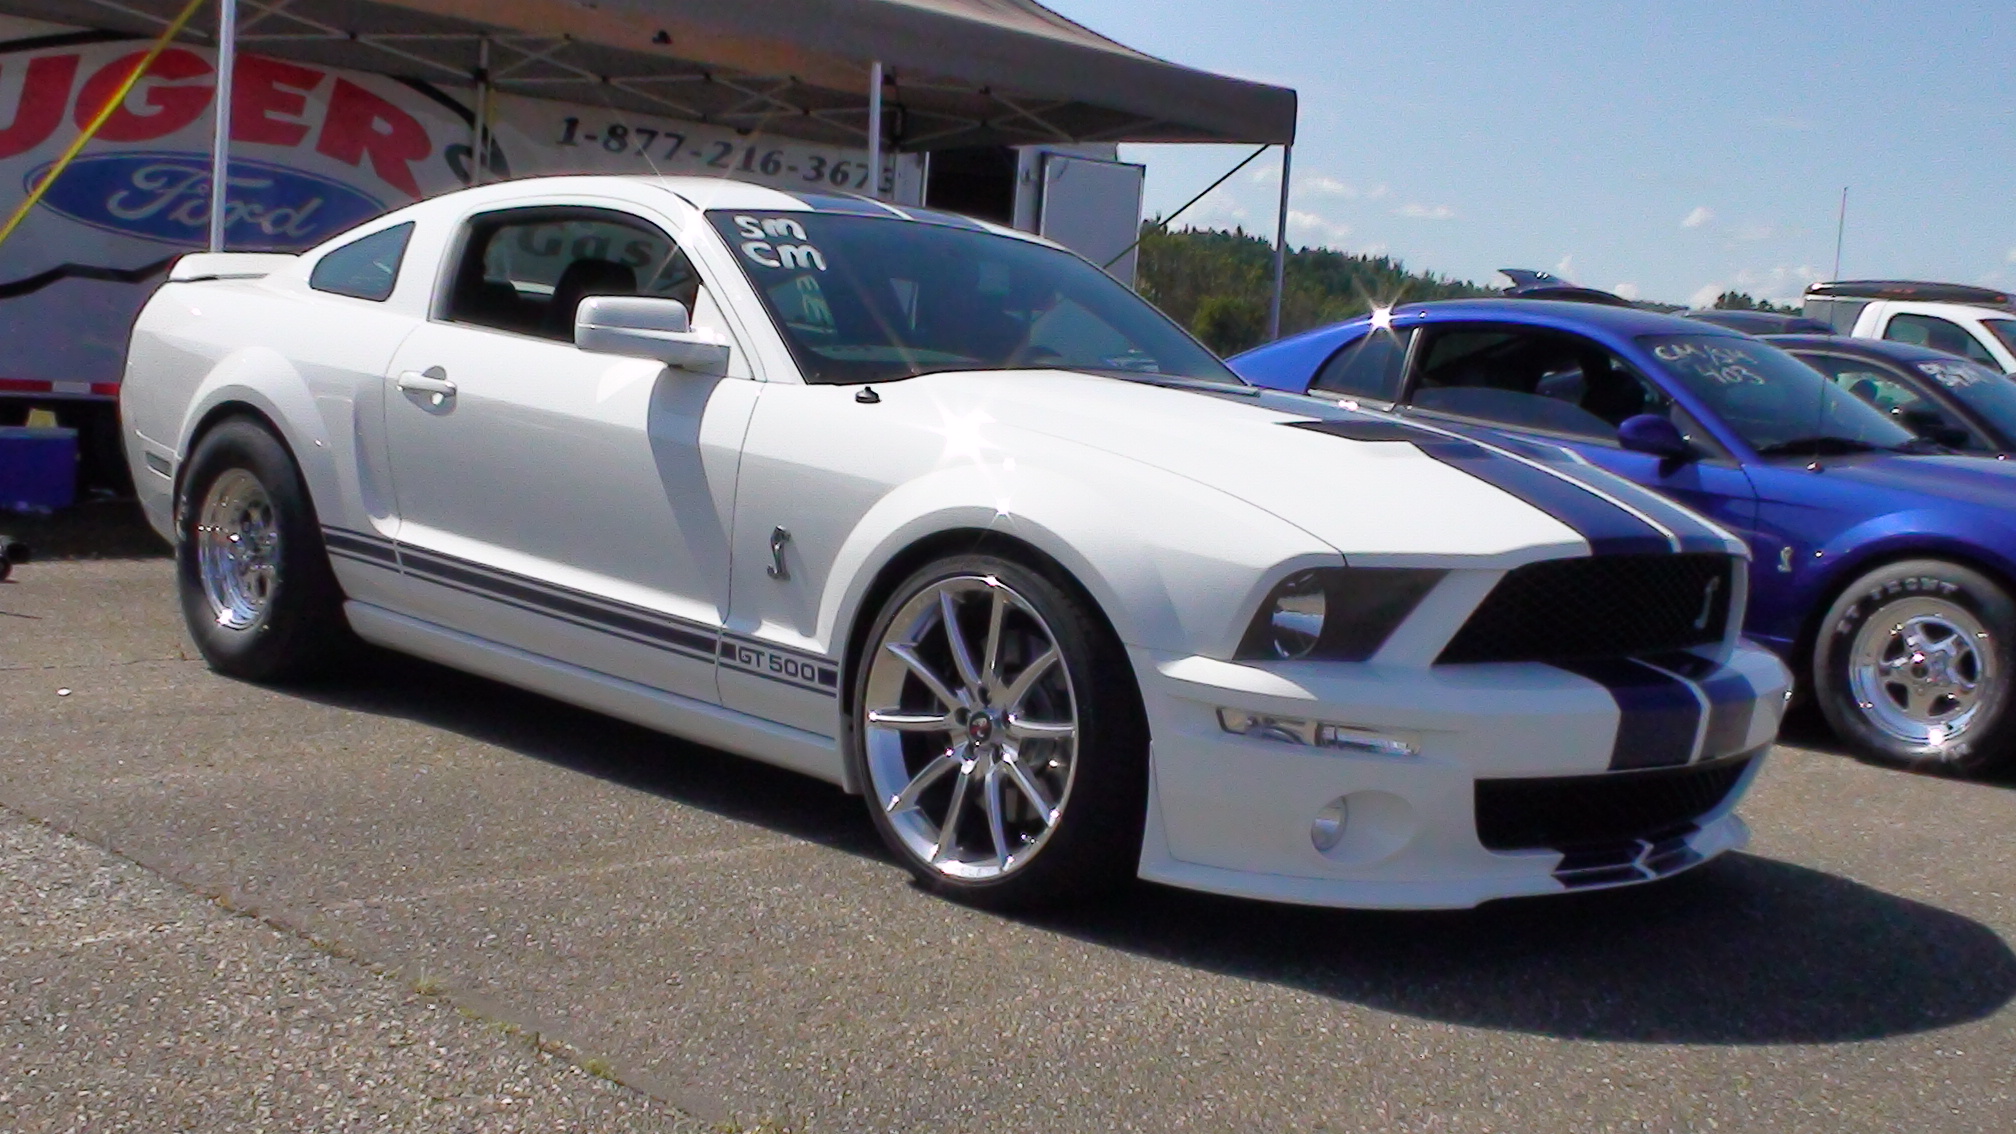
1840, 230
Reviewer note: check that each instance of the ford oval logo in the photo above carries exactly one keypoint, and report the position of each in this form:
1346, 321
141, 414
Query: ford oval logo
166, 197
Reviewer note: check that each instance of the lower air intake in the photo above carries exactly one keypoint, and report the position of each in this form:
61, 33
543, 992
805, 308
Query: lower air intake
1567, 812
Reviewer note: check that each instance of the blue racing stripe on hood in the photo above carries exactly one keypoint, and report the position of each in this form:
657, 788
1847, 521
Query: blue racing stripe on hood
1608, 528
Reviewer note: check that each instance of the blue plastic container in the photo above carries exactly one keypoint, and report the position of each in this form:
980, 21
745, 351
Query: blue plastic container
38, 468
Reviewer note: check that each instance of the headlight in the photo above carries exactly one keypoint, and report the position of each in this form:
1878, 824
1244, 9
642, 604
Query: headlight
1294, 615
1334, 613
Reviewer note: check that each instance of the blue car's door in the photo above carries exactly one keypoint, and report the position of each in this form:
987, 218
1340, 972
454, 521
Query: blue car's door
1572, 391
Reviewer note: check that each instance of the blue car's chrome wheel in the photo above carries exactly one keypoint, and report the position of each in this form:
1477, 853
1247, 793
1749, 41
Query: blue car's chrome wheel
1918, 668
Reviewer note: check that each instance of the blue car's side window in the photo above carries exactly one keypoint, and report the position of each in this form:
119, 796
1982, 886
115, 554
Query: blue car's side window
1370, 367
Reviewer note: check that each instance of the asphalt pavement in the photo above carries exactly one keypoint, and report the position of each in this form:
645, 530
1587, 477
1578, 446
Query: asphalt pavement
729, 940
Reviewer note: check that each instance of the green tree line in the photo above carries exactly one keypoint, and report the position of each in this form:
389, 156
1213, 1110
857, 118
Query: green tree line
1219, 284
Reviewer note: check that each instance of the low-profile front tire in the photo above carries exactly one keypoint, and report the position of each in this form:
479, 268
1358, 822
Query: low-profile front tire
1912, 667
257, 592
997, 733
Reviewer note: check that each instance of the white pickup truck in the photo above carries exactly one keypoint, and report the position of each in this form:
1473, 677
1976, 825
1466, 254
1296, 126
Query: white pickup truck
1973, 322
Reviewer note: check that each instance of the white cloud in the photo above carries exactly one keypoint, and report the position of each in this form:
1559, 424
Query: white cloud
1565, 266
1627, 290
1315, 228
1778, 284
1755, 232
1704, 296
1326, 187
1378, 192
1413, 211
2012, 255
1700, 216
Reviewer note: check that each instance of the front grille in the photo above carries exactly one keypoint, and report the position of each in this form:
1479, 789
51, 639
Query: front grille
1568, 812
1601, 606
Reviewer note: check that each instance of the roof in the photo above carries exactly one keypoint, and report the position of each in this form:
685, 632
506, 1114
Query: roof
959, 72
1919, 290
1867, 348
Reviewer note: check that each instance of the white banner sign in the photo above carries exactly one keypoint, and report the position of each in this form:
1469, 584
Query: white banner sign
314, 151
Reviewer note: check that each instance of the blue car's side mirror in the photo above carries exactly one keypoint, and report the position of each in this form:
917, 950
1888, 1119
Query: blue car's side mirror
1654, 434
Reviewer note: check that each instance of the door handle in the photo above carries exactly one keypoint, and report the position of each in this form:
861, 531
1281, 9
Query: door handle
433, 380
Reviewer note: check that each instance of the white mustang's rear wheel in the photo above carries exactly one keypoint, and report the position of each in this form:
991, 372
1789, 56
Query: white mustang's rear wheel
998, 736
257, 592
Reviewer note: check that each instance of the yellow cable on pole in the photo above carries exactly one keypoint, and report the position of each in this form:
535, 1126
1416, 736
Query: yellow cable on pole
117, 100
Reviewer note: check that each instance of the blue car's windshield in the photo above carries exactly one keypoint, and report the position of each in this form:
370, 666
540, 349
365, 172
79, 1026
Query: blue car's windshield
1987, 393
1778, 404
872, 299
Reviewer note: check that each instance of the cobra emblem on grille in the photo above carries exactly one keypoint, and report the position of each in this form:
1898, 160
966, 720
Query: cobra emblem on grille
1708, 602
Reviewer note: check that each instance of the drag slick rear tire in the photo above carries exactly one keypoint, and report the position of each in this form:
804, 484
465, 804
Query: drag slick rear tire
257, 592
1912, 667
998, 736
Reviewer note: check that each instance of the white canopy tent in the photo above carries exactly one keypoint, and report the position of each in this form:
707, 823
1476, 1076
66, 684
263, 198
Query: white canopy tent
893, 75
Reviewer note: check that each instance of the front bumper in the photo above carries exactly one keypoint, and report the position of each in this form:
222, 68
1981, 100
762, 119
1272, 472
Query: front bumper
1239, 814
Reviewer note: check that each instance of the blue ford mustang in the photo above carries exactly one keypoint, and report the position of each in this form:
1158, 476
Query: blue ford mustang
1883, 566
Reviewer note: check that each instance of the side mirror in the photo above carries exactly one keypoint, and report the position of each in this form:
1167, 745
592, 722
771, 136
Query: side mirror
638, 326
1654, 434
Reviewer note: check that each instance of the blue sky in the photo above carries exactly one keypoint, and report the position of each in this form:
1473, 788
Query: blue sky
1667, 150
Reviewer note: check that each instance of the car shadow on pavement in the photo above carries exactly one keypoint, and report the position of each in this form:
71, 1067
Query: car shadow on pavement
1745, 950
582, 740
1805, 728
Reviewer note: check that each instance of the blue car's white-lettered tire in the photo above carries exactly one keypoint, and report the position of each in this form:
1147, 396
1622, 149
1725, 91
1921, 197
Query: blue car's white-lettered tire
998, 735
1913, 666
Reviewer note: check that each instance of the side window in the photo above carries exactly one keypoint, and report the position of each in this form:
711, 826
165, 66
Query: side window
1939, 334
1896, 397
1533, 380
365, 268
1369, 367
528, 270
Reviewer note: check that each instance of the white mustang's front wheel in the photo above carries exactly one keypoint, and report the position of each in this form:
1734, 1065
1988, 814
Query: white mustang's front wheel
998, 736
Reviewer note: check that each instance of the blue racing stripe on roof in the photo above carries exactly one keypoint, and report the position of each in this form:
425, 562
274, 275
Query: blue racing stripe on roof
838, 203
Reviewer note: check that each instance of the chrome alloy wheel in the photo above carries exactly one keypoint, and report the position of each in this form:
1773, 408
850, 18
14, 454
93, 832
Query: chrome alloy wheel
970, 753
1920, 669
238, 549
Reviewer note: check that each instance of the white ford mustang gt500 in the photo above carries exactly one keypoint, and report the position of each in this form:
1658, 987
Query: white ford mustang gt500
943, 514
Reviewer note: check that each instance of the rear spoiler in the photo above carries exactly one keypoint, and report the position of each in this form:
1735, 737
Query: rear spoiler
227, 265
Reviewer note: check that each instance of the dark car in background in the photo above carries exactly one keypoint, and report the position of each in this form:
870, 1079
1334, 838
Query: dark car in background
1760, 322
1943, 397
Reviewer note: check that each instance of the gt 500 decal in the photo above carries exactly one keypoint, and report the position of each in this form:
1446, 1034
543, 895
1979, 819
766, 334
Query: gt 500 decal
793, 669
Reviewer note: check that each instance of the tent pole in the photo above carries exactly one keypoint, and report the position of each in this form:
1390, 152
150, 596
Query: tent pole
220, 148
875, 129
1280, 247
479, 126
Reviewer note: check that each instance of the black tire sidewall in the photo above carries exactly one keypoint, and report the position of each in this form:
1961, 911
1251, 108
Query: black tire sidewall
1097, 844
1987, 744
302, 626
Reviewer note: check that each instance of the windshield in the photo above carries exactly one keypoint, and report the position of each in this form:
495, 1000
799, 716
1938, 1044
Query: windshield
872, 299
1778, 404
1987, 393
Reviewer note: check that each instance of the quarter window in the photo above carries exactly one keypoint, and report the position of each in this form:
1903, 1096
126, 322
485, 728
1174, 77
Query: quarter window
1939, 334
365, 268
1369, 367
528, 270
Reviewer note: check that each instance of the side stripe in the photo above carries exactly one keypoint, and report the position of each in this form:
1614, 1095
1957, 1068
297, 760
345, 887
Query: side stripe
601, 613
639, 625
1659, 716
